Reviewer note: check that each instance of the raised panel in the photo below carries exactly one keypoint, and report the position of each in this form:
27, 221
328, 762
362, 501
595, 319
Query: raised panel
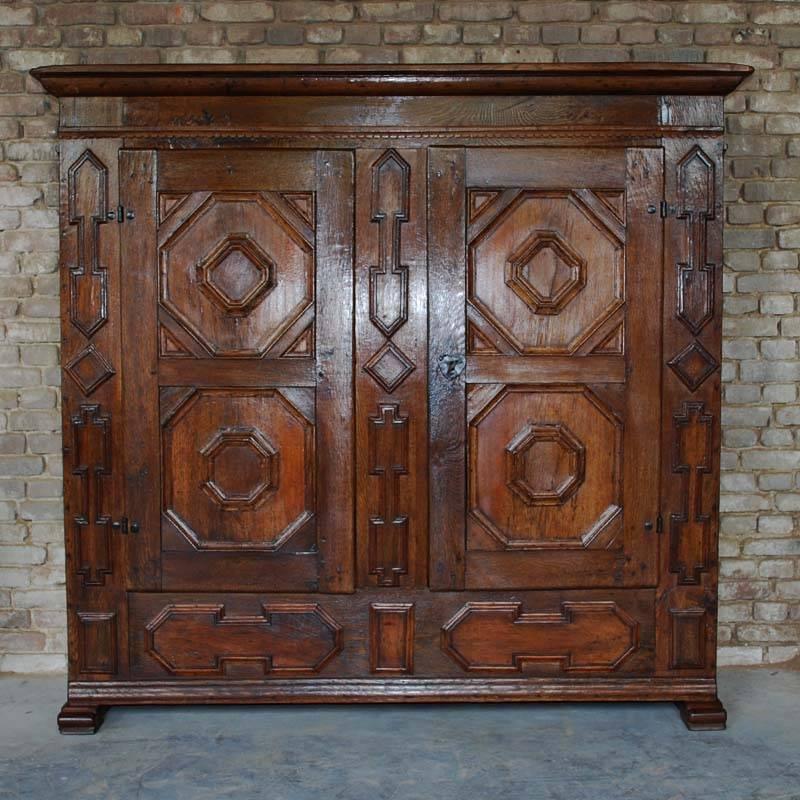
580, 637
97, 642
388, 520
91, 461
690, 532
546, 269
284, 639
391, 638
236, 271
544, 469
87, 197
238, 466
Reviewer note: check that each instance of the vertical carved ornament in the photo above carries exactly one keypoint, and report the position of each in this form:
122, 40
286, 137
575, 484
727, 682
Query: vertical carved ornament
696, 200
91, 462
87, 197
690, 528
388, 525
388, 281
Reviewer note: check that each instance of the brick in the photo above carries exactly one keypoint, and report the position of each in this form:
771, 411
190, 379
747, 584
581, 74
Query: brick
776, 304
631, 12
157, 13
778, 349
780, 393
481, 33
776, 14
779, 654
363, 34
560, 34
285, 34
78, 14
773, 547
779, 260
361, 55
316, 11
771, 459
743, 502
123, 37
43, 663
775, 437
554, 12
736, 437
788, 501
442, 34
475, 11
323, 34
12, 444
163, 36
770, 633
783, 215
571, 53
756, 58
400, 11
598, 34
17, 16
776, 568
637, 34
192, 55
520, 53
84, 36
16, 466
710, 12
22, 556
789, 238
774, 481
240, 11
775, 103
437, 54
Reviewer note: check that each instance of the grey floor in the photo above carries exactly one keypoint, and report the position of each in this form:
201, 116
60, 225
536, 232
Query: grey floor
490, 752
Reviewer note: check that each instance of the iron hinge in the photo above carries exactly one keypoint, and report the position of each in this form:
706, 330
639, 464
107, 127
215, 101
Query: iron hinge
659, 524
667, 210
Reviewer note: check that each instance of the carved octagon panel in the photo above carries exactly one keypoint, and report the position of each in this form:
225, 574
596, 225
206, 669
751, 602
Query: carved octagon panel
544, 252
241, 467
235, 273
238, 469
545, 464
536, 481
546, 272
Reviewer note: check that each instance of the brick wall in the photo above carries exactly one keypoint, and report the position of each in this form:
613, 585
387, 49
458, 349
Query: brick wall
760, 609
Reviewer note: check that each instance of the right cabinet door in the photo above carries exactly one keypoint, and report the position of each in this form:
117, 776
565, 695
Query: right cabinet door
545, 366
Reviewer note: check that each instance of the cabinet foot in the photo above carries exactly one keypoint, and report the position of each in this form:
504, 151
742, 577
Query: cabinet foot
703, 715
80, 719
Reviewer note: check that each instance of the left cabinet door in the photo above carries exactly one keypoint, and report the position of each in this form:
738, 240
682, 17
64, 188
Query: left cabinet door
94, 506
236, 312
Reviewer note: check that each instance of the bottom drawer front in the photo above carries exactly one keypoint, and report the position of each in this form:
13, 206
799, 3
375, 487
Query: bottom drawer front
392, 633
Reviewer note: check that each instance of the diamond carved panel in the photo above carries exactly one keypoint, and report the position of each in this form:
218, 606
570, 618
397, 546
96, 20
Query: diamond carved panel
236, 274
241, 468
89, 369
546, 273
693, 365
389, 367
545, 464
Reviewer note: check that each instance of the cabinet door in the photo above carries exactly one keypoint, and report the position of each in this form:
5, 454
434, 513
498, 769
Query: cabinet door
545, 363
237, 307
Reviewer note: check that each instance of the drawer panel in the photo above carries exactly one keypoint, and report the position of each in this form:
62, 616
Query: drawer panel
386, 633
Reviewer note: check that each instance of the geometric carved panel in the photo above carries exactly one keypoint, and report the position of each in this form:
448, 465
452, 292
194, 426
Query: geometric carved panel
696, 201
91, 462
89, 369
546, 272
87, 193
97, 636
531, 258
545, 464
690, 528
534, 480
236, 273
391, 638
388, 524
389, 367
388, 281
688, 637
693, 365
202, 640
242, 466
249, 451
581, 637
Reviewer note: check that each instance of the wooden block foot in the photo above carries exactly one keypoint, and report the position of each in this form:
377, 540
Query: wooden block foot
703, 715
75, 719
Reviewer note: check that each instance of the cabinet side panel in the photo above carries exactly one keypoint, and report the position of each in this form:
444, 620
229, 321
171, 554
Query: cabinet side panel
687, 597
91, 409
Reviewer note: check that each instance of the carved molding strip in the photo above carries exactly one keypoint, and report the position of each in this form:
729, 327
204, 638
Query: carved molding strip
87, 199
388, 525
690, 528
91, 461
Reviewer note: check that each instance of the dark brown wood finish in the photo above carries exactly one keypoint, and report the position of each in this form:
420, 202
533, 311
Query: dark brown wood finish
365, 397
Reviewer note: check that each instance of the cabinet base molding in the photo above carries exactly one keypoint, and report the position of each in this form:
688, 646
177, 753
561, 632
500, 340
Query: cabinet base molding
80, 718
703, 715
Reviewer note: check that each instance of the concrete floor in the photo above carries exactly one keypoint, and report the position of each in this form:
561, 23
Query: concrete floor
457, 752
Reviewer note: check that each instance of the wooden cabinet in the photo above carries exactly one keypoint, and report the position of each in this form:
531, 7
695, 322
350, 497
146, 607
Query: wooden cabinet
391, 384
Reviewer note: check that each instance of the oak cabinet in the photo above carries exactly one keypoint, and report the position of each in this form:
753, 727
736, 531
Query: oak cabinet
391, 384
